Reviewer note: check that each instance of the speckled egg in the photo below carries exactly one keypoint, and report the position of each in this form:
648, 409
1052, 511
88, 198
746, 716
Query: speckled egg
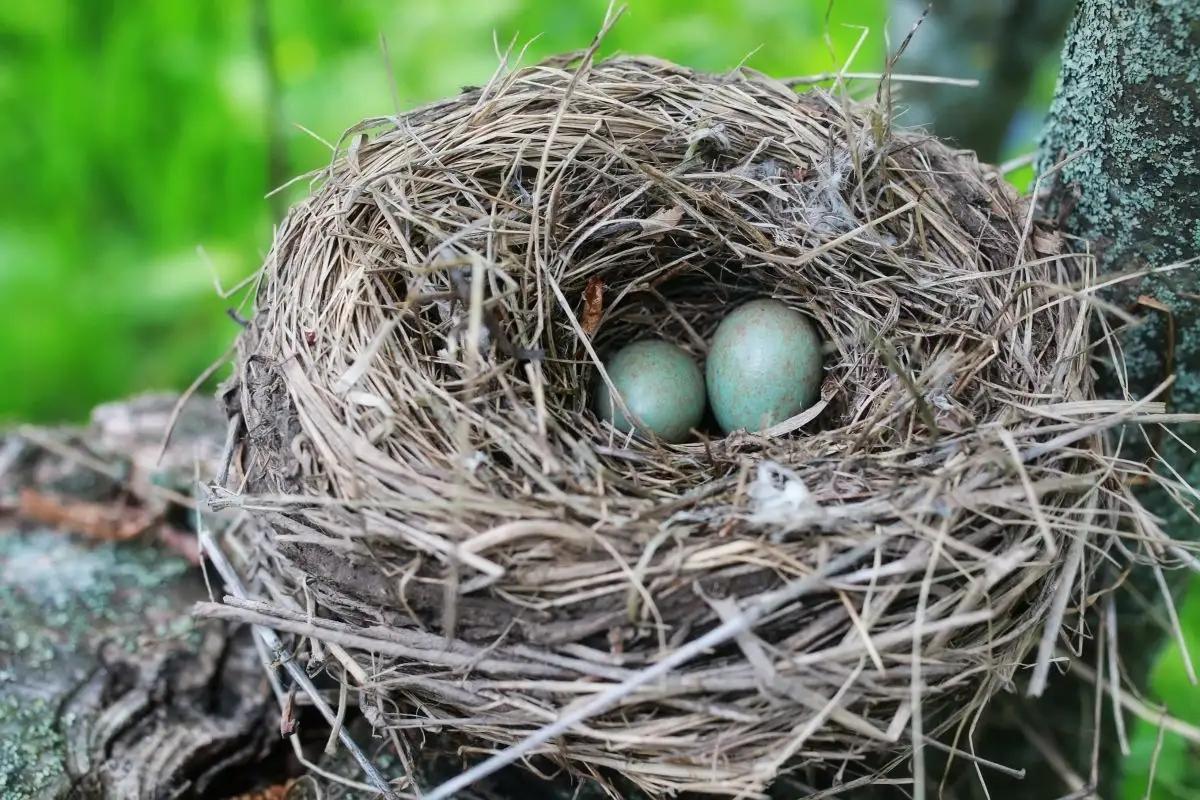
661, 385
764, 366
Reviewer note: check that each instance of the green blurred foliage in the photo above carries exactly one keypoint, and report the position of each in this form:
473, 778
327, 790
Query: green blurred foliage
138, 132
1176, 768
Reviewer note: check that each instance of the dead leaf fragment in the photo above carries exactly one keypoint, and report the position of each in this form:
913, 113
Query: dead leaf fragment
593, 306
277, 792
100, 521
1047, 243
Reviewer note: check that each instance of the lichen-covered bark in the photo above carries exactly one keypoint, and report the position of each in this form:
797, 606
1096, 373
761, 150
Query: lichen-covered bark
101, 665
61, 600
1128, 108
1127, 114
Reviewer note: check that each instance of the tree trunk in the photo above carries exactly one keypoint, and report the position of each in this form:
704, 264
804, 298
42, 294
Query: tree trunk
107, 687
1126, 119
1128, 109
1125, 126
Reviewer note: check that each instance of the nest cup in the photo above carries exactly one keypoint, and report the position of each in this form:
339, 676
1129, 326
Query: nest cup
440, 506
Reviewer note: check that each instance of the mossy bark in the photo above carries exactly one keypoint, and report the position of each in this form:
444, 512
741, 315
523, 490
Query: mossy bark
1124, 135
107, 686
1126, 122
1127, 112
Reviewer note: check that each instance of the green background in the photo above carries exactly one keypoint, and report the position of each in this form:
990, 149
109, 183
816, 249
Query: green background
137, 132
141, 139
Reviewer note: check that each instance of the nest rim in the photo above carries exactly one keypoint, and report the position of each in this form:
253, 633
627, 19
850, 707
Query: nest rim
427, 481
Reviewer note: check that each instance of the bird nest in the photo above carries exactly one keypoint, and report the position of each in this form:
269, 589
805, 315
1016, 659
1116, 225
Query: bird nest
441, 508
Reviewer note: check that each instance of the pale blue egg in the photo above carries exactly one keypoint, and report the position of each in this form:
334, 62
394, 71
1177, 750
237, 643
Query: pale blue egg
661, 385
764, 366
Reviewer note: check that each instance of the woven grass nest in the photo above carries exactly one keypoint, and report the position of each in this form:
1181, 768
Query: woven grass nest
439, 505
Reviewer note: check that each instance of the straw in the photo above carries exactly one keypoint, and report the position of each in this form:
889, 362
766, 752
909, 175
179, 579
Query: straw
430, 485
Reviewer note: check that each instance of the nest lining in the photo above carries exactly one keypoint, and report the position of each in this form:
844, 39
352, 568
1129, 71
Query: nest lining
438, 498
